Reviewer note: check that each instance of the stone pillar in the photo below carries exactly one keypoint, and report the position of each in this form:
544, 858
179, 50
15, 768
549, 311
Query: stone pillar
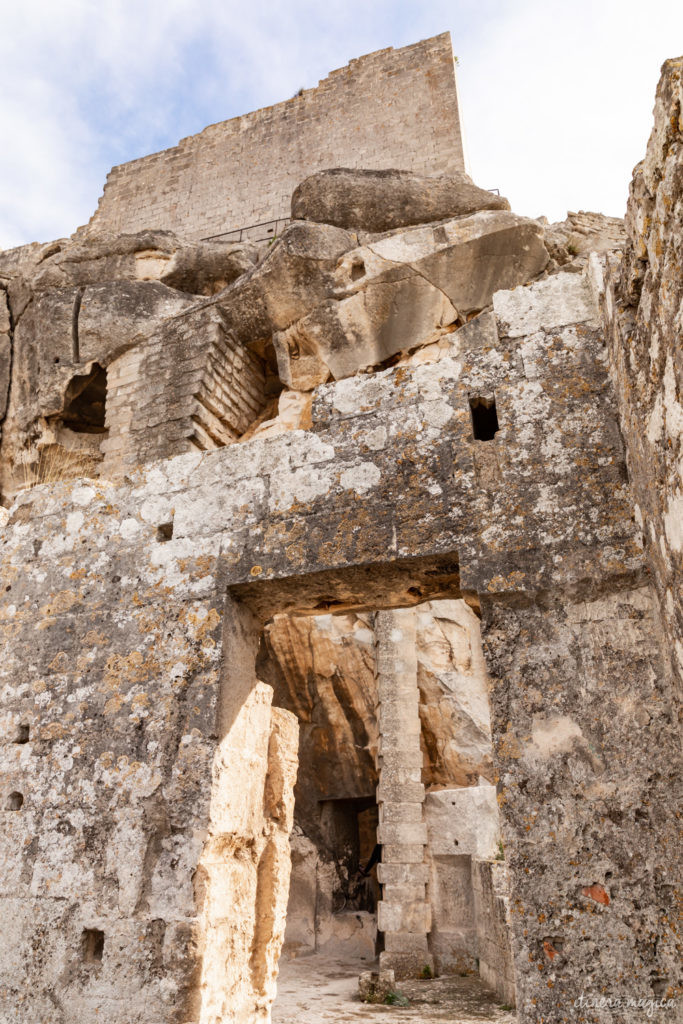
404, 912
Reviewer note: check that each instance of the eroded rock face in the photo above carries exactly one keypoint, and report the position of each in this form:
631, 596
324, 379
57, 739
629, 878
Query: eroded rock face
245, 863
379, 201
76, 308
293, 278
454, 703
186, 346
64, 341
322, 668
401, 291
643, 308
569, 242
201, 268
5, 352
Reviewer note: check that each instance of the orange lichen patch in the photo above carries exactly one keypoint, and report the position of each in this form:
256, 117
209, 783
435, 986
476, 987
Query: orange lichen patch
148, 622
94, 638
596, 892
508, 745
52, 731
503, 583
205, 624
114, 704
204, 565
61, 602
126, 669
549, 949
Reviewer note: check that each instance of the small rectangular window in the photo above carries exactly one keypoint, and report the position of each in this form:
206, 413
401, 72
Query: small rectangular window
484, 417
92, 942
23, 733
165, 532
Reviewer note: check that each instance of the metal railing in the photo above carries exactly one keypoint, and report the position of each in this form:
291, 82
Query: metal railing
266, 231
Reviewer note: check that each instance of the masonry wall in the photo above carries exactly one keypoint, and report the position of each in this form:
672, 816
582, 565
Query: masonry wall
490, 889
643, 307
392, 108
144, 793
113, 656
463, 828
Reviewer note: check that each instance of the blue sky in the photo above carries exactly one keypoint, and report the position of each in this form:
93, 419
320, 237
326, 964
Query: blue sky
556, 97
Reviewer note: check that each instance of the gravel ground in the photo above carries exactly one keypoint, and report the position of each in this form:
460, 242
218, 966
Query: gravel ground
324, 990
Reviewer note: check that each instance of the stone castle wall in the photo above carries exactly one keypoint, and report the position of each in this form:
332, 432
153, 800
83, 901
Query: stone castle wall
132, 694
392, 108
146, 779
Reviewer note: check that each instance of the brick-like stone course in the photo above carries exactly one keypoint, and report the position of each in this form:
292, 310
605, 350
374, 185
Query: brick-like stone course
403, 913
189, 387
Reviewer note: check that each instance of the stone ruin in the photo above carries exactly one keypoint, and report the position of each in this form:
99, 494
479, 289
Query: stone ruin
394, 500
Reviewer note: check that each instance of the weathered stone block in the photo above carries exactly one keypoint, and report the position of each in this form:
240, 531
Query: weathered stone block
391, 812
398, 789
375, 986
402, 832
414, 916
384, 200
403, 853
363, 329
408, 943
463, 821
468, 259
403, 874
395, 759
555, 302
403, 893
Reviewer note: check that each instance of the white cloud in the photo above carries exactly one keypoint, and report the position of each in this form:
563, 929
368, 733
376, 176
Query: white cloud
556, 97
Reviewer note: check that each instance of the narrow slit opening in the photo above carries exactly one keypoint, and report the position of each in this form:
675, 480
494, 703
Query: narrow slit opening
485, 424
92, 942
